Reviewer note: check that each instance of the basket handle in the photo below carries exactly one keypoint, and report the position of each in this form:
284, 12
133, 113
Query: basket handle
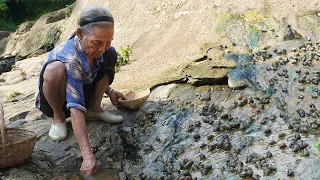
3, 127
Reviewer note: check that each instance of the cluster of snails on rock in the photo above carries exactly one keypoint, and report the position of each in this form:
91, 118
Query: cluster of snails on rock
235, 165
292, 73
261, 162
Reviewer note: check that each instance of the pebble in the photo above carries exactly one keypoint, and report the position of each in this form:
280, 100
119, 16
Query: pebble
290, 172
250, 172
256, 177
148, 148
191, 128
272, 117
314, 95
301, 80
212, 147
269, 154
272, 167
306, 152
296, 148
202, 156
285, 90
312, 106
203, 145
243, 174
143, 177
303, 145
263, 121
267, 131
206, 120
294, 61
196, 137
186, 173
158, 139
292, 143
283, 146
170, 177
208, 167
301, 113
210, 137
205, 172
250, 100
315, 81
267, 171
281, 135
272, 142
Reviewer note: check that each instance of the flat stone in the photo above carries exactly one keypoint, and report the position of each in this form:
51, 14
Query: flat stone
161, 93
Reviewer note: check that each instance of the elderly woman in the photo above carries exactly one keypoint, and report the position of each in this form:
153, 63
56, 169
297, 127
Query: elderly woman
74, 78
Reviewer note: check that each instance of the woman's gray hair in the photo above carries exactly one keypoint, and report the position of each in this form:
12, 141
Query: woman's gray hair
92, 12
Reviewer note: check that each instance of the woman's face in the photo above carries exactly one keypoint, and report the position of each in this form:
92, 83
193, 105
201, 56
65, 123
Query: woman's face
97, 41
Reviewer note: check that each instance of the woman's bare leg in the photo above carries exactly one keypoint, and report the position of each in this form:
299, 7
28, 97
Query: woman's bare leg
54, 89
100, 88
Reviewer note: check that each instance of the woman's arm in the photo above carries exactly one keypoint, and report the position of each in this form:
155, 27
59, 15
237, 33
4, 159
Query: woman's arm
89, 164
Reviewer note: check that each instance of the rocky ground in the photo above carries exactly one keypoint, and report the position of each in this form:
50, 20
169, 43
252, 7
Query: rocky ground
267, 128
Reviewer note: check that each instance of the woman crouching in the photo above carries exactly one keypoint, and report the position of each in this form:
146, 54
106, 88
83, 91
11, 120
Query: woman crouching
74, 78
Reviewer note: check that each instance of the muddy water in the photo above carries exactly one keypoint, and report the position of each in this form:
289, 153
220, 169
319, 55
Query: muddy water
105, 174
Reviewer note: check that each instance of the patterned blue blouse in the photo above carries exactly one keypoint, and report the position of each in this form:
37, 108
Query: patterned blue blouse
78, 71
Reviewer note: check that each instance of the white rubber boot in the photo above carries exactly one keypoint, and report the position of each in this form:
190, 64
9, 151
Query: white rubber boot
58, 132
104, 116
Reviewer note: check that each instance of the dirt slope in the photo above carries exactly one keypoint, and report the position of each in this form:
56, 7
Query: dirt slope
164, 35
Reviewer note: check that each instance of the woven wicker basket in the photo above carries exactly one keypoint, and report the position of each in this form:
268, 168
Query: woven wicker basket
134, 100
16, 145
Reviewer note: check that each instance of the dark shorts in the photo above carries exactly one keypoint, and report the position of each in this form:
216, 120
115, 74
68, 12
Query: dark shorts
106, 68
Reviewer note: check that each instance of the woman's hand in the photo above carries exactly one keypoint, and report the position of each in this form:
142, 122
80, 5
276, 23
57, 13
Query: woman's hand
89, 165
115, 96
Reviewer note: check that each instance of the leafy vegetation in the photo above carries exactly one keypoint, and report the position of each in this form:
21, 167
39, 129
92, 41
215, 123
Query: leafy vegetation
3, 7
13, 94
123, 57
317, 146
8, 25
15, 12
69, 11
